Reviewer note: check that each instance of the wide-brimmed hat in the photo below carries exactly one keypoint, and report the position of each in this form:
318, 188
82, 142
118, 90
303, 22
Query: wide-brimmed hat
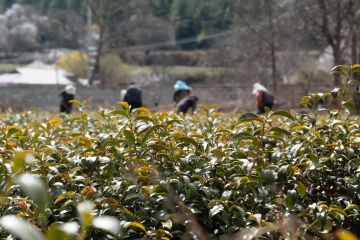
70, 89
258, 87
181, 85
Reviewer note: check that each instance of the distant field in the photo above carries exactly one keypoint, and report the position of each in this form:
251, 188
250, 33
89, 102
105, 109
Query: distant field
170, 70
131, 69
6, 68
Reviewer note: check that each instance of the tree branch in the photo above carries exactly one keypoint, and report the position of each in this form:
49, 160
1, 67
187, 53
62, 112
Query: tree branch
252, 28
325, 23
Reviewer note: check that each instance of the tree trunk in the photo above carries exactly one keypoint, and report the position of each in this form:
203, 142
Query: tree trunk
172, 34
337, 61
355, 51
273, 68
272, 46
334, 39
99, 51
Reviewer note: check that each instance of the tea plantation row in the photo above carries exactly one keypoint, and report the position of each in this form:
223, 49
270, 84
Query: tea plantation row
117, 174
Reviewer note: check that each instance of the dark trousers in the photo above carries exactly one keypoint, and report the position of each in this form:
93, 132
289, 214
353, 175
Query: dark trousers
135, 105
65, 108
261, 109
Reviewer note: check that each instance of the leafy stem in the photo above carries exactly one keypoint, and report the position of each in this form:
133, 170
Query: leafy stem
343, 93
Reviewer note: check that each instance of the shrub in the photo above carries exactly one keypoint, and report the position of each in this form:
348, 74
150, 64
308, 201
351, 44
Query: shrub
122, 174
113, 71
74, 62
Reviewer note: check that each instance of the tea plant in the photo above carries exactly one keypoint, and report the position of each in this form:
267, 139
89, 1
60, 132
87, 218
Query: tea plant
121, 174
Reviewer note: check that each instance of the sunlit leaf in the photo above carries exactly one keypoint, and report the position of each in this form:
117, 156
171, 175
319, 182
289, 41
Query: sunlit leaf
85, 141
125, 105
107, 223
351, 207
168, 224
148, 133
143, 170
55, 121
85, 211
142, 110
74, 101
70, 228
283, 114
63, 197
343, 234
216, 210
35, 188
12, 130
121, 112
55, 233
335, 92
339, 210
136, 225
19, 162
20, 228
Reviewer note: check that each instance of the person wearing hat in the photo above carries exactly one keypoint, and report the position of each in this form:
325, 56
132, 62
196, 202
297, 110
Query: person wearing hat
133, 96
67, 95
263, 98
183, 99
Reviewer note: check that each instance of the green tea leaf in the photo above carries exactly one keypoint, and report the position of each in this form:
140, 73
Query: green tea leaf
279, 131
248, 117
301, 189
148, 133
190, 141
285, 114
120, 112
291, 198
55, 233
130, 138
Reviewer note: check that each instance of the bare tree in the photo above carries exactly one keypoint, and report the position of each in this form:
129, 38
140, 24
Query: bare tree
105, 13
335, 21
263, 29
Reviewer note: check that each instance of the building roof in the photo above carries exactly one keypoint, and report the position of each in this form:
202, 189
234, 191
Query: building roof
34, 74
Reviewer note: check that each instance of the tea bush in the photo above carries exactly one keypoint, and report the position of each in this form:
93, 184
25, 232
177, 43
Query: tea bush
121, 174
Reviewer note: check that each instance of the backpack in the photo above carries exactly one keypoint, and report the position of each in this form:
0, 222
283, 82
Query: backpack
269, 99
